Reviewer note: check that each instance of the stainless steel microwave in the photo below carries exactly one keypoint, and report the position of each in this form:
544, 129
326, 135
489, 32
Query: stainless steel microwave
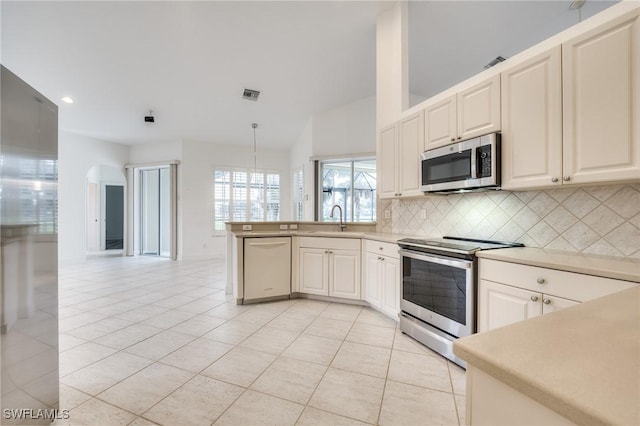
468, 165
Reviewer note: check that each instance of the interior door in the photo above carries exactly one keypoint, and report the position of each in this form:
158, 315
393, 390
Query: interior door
93, 216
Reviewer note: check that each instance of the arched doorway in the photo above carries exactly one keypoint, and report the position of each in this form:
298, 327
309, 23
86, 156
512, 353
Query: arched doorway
105, 209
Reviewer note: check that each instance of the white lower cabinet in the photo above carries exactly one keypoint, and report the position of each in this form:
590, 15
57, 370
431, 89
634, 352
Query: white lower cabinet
382, 277
330, 267
509, 292
502, 305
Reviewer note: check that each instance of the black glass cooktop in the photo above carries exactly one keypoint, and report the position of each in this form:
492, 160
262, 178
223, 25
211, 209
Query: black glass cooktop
455, 244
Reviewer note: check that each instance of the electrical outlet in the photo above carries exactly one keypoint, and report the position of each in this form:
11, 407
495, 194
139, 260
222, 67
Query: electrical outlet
387, 214
284, 227
247, 227
293, 226
423, 213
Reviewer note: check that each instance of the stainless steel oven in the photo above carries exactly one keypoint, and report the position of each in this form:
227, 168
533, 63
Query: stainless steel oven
438, 303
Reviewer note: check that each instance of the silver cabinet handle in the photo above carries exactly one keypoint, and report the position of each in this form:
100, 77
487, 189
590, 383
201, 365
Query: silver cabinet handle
546, 301
541, 280
566, 178
534, 298
554, 180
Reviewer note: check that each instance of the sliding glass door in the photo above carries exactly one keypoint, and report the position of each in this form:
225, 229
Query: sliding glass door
155, 217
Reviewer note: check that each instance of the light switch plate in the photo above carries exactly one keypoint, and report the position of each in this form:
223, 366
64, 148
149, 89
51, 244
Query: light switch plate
246, 227
284, 227
423, 213
387, 214
293, 226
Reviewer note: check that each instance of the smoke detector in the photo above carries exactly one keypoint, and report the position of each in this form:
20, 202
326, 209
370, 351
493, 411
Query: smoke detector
250, 95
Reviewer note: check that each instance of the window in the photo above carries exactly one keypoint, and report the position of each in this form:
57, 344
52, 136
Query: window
245, 196
298, 194
351, 185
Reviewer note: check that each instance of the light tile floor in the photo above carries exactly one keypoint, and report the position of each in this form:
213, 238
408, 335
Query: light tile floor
150, 341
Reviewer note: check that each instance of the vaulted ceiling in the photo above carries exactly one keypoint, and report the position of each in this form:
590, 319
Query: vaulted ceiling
189, 62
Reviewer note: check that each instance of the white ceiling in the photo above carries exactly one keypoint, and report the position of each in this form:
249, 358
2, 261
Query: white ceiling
189, 62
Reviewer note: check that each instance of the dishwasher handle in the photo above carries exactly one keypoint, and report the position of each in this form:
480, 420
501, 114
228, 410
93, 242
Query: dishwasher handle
271, 244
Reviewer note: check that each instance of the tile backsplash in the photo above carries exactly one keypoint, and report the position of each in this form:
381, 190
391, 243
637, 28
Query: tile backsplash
596, 220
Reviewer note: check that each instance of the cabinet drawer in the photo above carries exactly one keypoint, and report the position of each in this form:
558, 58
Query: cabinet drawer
330, 243
382, 249
569, 285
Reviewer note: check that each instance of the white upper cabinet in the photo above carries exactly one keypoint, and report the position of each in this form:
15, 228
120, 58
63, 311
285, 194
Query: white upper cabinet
600, 109
387, 162
474, 111
398, 155
440, 123
479, 109
532, 122
410, 147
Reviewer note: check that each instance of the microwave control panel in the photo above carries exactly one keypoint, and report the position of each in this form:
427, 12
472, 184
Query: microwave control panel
483, 161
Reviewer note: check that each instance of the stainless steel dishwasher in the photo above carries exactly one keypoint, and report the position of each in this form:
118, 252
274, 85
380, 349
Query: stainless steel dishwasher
267, 268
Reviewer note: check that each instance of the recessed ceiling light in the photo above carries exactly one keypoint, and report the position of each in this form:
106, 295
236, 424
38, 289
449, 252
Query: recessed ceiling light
67, 99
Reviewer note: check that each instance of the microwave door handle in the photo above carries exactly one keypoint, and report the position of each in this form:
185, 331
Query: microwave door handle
474, 163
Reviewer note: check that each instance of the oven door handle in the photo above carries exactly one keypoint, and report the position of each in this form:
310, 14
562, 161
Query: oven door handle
456, 263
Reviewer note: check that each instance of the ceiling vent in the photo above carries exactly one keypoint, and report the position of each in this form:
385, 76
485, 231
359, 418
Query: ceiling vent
495, 62
250, 95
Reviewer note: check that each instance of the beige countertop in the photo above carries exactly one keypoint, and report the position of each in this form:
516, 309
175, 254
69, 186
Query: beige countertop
377, 236
582, 362
602, 266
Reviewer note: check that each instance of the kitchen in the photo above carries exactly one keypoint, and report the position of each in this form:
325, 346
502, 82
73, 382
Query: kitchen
516, 208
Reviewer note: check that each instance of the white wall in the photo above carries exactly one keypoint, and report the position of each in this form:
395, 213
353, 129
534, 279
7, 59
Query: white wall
155, 153
198, 162
77, 154
348, 129
301, 152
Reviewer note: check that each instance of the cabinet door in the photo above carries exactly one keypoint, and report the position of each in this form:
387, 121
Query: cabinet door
554, 303
390, 278
440, 123
600, 103
410, 147
500, 305
314, 268
532, 122
479, 109
372, 290
344, 274
387, 159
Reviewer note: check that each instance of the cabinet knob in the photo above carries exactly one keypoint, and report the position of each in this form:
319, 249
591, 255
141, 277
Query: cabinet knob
330, 252
534, 298
453, 139
379, 248
554, 180
541, 280
326, 251
566, 178
546, 301
459, 137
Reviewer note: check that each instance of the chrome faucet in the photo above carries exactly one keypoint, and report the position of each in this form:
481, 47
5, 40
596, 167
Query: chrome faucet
333, 209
